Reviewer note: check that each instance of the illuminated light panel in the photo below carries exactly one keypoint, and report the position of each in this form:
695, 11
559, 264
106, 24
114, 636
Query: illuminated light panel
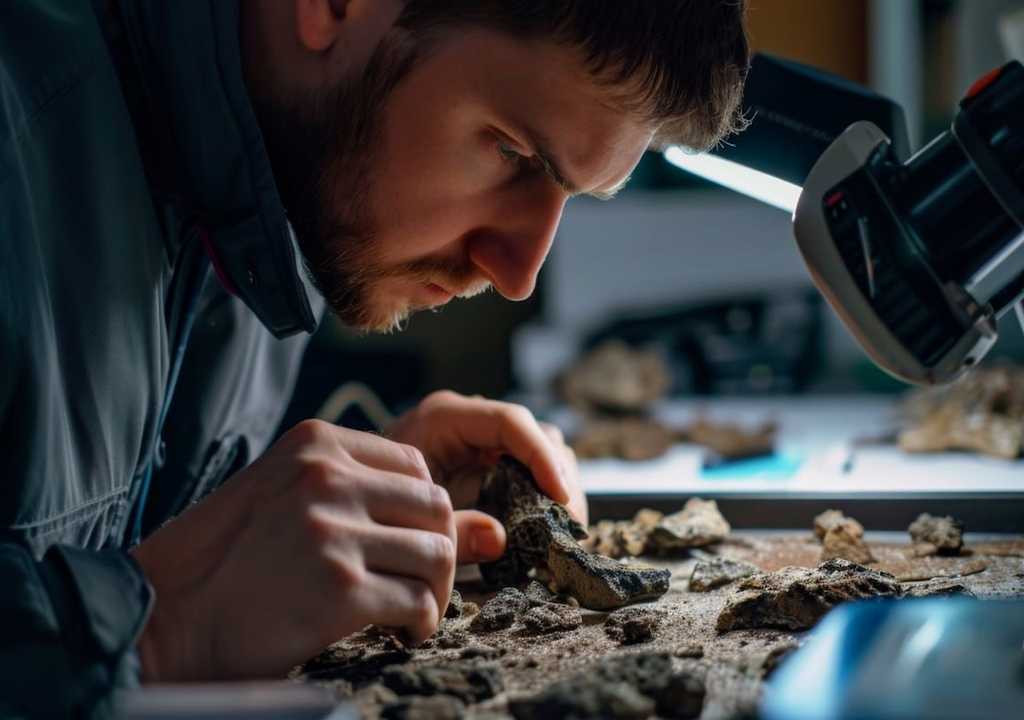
752, 183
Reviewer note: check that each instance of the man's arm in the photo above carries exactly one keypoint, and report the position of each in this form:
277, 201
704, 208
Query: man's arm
68, 627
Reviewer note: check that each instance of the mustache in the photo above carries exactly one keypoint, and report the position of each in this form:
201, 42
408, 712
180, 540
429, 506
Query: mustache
461, 278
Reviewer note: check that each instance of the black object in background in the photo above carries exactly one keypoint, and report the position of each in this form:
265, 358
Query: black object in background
795, 113
768, 343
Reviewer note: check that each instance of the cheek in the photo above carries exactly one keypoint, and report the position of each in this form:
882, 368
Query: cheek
432, 189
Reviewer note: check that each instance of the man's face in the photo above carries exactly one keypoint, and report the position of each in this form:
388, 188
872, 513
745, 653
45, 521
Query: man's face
451, 183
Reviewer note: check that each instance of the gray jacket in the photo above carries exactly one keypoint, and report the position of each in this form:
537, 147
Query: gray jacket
128, 151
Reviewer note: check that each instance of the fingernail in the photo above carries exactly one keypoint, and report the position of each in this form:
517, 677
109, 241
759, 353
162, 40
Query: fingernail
474, 543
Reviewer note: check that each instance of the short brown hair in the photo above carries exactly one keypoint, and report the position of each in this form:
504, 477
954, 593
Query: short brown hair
684, 61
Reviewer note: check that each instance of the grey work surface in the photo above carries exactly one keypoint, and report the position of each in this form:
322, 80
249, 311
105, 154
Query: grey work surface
819, 464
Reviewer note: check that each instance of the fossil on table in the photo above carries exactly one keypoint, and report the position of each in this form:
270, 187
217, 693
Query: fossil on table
841, 537
729, 441
615, 378
936, 535
634, 625
718, 572
628, 438
982, 412
795, 598
699, 523
622, 538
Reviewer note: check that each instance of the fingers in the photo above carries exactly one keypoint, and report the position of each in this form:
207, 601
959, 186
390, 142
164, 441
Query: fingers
489, 425
415, 555
397, 500
395, 601
365, 448
481, 538
577, 504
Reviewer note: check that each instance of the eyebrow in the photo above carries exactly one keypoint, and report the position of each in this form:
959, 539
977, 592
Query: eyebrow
552, 167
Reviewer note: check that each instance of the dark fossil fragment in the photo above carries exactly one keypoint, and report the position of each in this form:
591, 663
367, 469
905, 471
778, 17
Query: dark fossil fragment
542, 536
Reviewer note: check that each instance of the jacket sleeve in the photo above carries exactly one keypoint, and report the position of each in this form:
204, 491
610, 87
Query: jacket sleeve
68, 629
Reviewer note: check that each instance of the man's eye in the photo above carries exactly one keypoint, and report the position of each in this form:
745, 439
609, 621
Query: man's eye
509, 155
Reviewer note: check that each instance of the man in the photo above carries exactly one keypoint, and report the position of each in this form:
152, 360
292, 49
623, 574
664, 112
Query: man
409, 151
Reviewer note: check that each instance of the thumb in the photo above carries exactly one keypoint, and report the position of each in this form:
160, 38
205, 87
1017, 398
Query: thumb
481, 538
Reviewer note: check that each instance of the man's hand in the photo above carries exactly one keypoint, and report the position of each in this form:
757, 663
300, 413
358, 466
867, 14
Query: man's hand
463, 436
329, 531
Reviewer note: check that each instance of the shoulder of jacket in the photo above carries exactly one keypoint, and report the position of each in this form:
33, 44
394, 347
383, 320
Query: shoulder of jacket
47, 47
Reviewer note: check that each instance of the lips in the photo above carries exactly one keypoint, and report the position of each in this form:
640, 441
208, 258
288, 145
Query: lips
438, 295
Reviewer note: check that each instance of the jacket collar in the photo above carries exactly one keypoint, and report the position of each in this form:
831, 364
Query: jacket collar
190, 99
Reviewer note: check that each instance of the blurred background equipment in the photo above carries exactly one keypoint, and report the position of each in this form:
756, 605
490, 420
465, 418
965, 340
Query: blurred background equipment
765, 343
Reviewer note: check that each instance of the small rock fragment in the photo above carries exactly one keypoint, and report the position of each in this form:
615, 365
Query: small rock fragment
353, 665
446, 637
629, 686
774, 657
676, 694
454, 609
435, 707
795, 598
542, 536
600, 583
829, 519
629, 438
718, 571
552, 617
479, 650
936, 535
538, 593
581, 700
841, 537
699, 523
470, 682
731, 442
947, 589
840, 542
689, 651
633, 625
622, 538
617, 378
983, 412
500, 611
601, 538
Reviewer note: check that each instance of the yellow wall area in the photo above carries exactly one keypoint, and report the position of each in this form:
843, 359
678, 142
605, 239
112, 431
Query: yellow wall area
829, 34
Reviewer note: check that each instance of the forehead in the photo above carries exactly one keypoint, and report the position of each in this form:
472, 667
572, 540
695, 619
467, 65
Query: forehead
546, 86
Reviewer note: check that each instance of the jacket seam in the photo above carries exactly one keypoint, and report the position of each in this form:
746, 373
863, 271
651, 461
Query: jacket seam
58, 92
54, 520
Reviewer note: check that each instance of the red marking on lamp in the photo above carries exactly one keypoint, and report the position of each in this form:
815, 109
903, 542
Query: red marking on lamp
983, 82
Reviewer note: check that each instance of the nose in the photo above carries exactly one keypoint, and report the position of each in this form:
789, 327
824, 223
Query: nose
512, 248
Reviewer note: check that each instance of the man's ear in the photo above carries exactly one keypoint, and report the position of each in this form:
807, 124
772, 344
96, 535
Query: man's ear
319, 22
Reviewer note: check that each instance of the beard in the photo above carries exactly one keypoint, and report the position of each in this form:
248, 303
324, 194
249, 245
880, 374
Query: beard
326, 149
